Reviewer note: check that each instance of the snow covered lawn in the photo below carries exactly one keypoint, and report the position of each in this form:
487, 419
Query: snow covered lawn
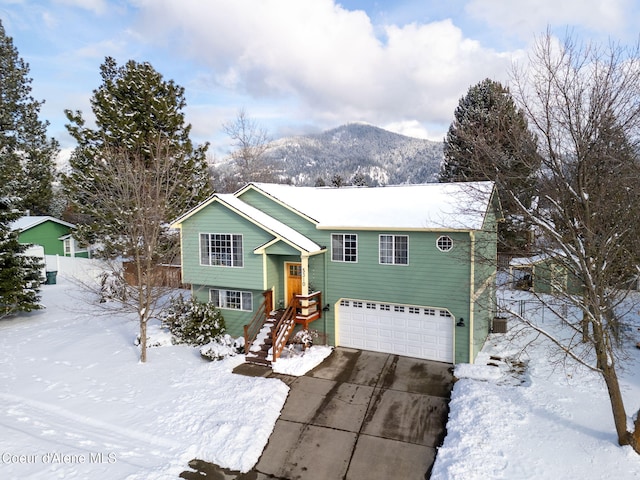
525, 417
76, 403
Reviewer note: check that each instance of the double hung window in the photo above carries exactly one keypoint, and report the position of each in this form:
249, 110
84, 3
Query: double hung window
344, 247
394, 249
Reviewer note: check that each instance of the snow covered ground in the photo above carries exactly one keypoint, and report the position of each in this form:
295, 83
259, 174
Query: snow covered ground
76, 402
524, 416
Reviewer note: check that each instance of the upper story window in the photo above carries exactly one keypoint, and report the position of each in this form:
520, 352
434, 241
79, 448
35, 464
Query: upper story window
344, 247
394, 249
221, 249
444, 243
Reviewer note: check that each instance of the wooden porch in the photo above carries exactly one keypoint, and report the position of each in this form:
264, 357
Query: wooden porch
269, 331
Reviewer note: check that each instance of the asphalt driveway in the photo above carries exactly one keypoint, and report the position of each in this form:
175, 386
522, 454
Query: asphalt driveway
357, 415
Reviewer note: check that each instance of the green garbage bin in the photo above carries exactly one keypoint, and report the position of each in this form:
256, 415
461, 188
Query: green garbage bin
51, 278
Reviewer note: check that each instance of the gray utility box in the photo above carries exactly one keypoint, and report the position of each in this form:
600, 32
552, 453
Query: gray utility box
499, 325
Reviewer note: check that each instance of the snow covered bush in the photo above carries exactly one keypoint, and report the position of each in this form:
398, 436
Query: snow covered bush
304, 338
193, 322
222, 347
113, 286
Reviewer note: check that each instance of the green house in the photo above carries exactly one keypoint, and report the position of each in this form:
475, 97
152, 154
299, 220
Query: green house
548, 273
408, 270
53, 234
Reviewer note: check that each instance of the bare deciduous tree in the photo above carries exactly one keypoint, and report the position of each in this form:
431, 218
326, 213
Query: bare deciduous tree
136, 191
583, 103
250, 143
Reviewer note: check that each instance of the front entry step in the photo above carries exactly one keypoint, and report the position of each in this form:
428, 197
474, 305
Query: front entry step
260, 351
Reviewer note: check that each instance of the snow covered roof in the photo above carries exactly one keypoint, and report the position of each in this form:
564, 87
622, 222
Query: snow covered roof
450, 206
277, 228
28, 221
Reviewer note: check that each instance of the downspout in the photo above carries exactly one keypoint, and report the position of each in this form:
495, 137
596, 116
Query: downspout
265, 278
472, 294
304, 260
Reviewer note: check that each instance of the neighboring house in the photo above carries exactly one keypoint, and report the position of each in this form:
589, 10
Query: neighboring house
408, 270
54, 235
544, 273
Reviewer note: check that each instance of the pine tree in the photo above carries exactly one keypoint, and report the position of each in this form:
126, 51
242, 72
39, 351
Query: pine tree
489, 139
134, 173
27, 156
19, 274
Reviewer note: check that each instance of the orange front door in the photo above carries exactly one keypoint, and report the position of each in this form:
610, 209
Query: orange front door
293, 279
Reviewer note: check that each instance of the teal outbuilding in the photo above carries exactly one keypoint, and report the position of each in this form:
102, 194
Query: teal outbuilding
53, 234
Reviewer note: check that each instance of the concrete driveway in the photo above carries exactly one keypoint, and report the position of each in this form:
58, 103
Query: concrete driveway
357, 415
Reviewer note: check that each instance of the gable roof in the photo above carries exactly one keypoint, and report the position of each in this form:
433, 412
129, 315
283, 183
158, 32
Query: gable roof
28, 221
275, 227
436, 206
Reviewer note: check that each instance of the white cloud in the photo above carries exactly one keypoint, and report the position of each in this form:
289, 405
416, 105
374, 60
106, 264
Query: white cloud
533, 16
334, 62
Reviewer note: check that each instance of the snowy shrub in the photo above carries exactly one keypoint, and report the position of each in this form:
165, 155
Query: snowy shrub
193, 322
113, 286
222, 347
304, 338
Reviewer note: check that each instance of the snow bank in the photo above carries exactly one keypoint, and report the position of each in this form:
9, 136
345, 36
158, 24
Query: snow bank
78, 404
516, 415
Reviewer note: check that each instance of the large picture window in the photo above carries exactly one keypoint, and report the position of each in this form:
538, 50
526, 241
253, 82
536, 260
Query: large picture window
221, 249
344, 247
394, 249
231, 299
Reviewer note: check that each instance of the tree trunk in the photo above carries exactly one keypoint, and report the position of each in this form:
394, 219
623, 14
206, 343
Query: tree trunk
617, 407
635, 436
607, 366
143, 339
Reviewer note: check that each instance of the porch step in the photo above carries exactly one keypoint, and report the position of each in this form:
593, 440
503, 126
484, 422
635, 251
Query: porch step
260, 351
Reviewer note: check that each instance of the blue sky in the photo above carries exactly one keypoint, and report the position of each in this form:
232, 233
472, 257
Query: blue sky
298, 66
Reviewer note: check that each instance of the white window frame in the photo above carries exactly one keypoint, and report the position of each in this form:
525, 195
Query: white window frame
339, 254
68, 247
444, 243
393, 252
223, 299
235, 254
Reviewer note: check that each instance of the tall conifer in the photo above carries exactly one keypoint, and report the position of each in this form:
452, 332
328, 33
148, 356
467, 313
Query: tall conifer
27, 156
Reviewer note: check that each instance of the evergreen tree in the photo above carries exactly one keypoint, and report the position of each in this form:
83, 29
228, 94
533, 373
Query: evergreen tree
136, 112
27, 156
134, 173
489, 139
19, 274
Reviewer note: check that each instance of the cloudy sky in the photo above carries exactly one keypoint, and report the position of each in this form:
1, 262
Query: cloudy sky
298, 66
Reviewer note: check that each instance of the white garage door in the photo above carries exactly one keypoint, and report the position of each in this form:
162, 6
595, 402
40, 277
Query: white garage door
399, 329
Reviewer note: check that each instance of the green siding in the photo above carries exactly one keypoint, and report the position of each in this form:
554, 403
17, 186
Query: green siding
234, 319
432, 278
219, 219
47, 235
279, 212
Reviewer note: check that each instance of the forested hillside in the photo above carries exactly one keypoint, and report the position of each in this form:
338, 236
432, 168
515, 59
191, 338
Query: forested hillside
359, 152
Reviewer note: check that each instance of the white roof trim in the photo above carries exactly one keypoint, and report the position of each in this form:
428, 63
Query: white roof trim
27, 222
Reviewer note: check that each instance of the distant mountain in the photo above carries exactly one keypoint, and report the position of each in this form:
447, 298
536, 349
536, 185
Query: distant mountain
378, 156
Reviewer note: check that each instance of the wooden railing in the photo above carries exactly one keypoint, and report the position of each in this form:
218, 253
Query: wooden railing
251, 330
309, 308
283, 330
303, 309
